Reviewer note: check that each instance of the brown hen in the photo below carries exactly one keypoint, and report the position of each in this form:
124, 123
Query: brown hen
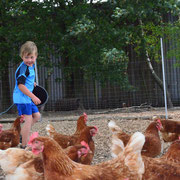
87, 136
152, 145
166, 167
173, 153
11, 137
67, 140
58, 166
170, 129
78, 151
21, 164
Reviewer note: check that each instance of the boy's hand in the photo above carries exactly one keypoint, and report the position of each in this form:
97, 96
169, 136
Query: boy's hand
36, 100
35, 84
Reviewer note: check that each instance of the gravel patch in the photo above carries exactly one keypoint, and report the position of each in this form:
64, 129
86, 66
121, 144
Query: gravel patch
129, 119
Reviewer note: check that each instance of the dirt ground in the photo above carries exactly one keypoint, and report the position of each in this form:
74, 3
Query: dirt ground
129, 119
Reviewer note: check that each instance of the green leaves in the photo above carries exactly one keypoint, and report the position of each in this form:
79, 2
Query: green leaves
113, 56
83, 25
92, 38
118, 13
114, 65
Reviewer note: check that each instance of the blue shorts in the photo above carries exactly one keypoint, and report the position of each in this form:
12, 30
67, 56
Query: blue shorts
27, 109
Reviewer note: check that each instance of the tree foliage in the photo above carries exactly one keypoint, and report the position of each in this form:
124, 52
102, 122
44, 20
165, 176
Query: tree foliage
91, 37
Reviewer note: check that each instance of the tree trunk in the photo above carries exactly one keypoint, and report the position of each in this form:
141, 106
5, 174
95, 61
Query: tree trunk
155, 76
158, 80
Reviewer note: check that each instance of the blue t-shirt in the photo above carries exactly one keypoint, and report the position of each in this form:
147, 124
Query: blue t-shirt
23, 75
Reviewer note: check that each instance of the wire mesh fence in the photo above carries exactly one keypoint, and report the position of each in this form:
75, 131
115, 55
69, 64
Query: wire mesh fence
65, 95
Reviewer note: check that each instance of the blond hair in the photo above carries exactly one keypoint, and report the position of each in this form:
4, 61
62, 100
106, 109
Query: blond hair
28, 48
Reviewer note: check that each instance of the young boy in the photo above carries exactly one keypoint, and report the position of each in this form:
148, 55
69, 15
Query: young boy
23, 97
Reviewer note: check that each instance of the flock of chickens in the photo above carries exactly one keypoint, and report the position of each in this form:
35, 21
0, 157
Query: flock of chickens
68, 157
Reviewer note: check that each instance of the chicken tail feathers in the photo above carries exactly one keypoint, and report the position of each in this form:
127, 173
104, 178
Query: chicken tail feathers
113, 127
50, 129
117, 147
132, 153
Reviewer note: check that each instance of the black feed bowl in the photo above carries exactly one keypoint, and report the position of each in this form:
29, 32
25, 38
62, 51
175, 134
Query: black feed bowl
42, 94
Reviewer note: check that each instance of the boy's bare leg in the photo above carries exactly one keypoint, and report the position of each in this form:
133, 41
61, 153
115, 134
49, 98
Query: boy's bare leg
25, 131
35, 117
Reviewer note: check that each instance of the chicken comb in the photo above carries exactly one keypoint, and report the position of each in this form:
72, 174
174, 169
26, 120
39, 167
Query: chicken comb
32, 137
159, 120
85, 115
160, 124
83, 143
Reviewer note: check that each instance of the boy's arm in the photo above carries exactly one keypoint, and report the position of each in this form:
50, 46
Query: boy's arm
26, 91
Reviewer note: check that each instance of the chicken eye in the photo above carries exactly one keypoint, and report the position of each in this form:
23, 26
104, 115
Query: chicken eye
36, 142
